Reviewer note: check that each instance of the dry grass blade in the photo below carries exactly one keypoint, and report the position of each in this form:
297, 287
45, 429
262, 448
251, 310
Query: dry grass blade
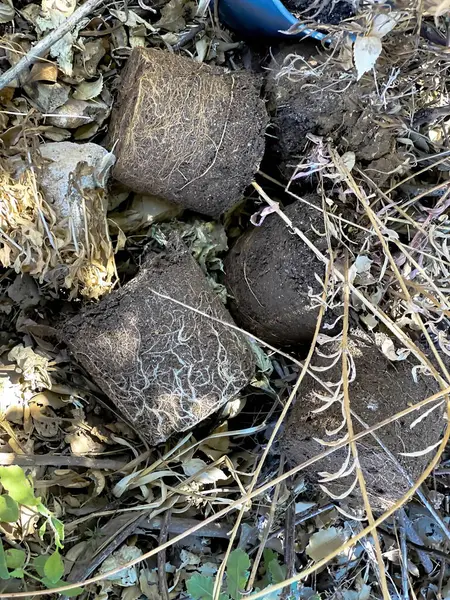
351, 432
237, 504
367, 530
280, 420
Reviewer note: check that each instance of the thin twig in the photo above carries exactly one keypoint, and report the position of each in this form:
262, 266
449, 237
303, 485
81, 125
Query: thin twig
404, 555
265, 534
48, 41
289, 545
237, 504
53, 460
350, 429
161, 560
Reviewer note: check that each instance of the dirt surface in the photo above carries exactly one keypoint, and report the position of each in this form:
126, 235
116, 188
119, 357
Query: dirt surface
381, 389
270, 274
195, 138
328, 11
300, 104
164, 366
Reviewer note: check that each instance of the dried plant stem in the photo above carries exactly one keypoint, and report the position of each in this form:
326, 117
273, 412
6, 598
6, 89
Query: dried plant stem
351, 432
267, 486
47, 42
367, 530
265, 535
304, 370
416, 317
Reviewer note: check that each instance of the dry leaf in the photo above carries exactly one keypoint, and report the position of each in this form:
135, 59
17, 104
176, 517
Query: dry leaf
44, 71
6, 12
61, 7
210, 475
366, 50
172, 16
88, 90
126, 577
384, 23
324, 542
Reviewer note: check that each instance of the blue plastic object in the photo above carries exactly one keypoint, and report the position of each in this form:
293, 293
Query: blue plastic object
261, 18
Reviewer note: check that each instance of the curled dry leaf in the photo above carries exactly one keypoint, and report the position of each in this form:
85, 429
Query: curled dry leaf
126, 577
210, 474
44, 71
59, 7
6, 12
88, 90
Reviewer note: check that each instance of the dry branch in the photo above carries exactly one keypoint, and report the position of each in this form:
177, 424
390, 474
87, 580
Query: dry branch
47, 42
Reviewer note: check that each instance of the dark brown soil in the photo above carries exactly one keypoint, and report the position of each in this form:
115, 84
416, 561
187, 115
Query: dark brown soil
381, 389
326, 11
163, 365
270, 273
187, 132
335, 111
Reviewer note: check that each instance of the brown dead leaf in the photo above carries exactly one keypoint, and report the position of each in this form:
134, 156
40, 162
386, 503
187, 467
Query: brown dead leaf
44, 71
81, 443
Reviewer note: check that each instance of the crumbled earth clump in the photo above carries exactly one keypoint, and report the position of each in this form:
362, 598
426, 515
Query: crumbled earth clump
302, 103
380, 389
187, 132
324, 11
270, 275
164, 366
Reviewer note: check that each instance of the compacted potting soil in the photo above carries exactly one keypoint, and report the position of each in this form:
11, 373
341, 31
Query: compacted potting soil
163, 365
379, 389
270, 274
325, 11
186, 131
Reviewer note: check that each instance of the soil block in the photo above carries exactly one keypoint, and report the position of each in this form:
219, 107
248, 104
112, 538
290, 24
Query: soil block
163, 365
270, 275
187, 132
381, 389
300, 103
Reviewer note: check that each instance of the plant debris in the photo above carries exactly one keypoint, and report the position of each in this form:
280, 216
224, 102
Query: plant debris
150, 448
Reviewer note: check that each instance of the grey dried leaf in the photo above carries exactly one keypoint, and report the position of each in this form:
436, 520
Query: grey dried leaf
6, 12
48, 96
88, 90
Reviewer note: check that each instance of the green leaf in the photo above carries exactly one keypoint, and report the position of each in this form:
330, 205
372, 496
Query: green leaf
39, 564
200, 587
17, 485
277, 571
70, 592
268, 556
9, 509
41, 530
4, 573
54, 567
17, 573
58, 530
237, 572
15, 559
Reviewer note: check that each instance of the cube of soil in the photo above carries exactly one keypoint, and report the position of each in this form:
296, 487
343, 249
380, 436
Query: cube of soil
164, 366
271, 277
187, 132
381, 388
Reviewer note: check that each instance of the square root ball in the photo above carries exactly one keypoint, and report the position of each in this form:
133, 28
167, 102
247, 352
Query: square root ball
163, 365
187, 132
380, 389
